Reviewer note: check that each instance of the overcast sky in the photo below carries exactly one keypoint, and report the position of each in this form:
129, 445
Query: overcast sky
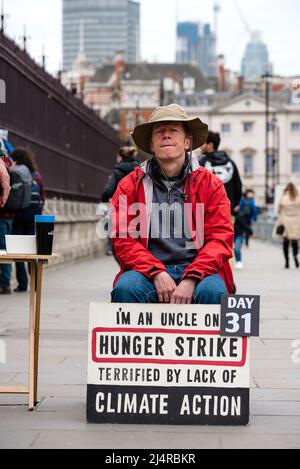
278, 21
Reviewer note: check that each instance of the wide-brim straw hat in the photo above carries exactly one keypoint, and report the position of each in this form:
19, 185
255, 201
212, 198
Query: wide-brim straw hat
173, 113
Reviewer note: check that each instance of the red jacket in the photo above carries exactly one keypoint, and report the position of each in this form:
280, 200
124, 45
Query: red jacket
205, 188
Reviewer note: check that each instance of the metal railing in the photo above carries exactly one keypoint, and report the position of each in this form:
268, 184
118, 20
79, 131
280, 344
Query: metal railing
75, 150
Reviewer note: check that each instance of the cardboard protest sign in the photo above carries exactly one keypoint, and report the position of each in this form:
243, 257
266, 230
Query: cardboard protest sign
165, 364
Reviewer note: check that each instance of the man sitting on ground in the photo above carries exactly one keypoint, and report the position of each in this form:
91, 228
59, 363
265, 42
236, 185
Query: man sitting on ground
180, 267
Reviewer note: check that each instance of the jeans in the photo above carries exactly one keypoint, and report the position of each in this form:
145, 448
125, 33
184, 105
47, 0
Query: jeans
133, 287
27, 228
5, 269
238, 243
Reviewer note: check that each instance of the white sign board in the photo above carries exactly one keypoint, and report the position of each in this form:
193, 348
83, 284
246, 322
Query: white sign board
165, 364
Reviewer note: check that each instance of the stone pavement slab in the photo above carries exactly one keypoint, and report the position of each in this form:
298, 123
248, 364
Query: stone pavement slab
125, 440
260, 441
17, 439
59, 421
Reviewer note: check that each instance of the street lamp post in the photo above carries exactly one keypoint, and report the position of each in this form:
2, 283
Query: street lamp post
162, 90
137, 112
276, 146
278, 154
267, 79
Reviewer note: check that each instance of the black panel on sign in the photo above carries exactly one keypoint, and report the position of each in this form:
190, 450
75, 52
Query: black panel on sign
240, 315
167, 406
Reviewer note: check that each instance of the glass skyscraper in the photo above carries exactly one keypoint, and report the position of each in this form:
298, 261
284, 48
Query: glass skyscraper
187, 42
207, 53
104, 26
196, 45
256, 59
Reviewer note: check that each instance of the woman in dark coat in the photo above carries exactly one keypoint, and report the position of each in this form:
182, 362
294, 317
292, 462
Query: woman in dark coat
126, 163
23, 223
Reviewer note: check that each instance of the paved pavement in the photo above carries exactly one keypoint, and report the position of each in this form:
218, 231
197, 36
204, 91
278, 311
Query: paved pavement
59, 421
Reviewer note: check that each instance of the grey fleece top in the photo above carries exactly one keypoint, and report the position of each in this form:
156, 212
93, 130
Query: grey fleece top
170, 239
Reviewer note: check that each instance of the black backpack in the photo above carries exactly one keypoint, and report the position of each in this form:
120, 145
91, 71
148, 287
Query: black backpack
20, 194
36, 204
246, 209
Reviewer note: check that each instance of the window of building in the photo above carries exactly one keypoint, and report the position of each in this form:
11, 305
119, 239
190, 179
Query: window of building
296, 163
248, 127
295, 126
225, 128
140, 119
271, 164
130, 121
248, 165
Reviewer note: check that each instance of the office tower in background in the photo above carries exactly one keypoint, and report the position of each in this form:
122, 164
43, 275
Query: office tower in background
207, 53
187, 42
108, 26
256, 59
196, 45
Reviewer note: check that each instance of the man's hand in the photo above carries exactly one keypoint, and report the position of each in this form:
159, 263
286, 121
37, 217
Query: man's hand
183, 295
165, 287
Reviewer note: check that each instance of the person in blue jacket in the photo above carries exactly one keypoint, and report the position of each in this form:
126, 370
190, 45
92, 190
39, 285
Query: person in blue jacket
249, 209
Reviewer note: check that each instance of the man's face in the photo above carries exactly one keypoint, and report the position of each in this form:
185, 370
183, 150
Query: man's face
169, 141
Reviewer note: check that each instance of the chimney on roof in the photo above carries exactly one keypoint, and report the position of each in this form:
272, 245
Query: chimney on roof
221, 73
119, 66
241, 84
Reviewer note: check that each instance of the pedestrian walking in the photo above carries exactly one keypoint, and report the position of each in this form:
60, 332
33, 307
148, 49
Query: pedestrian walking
242, 229
288, 223
248, 204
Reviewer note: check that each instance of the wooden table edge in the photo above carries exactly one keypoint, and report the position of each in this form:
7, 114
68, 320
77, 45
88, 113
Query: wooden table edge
28, 257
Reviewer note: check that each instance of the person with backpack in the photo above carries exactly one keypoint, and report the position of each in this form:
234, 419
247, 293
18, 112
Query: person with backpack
242, 227
23, 222
250, 210
219, 163
20, 181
